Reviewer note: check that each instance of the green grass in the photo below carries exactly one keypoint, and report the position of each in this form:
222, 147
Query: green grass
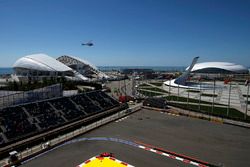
157, 90
193, 91
156, 83
184, 99
148, 93
153, 89
219, 111
175, 98
209, 95
143, 85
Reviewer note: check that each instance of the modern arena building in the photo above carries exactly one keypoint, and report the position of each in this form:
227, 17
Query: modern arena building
219, 68
37, 67
213, 69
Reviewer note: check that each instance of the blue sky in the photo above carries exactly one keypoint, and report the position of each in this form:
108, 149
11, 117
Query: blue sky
127, 32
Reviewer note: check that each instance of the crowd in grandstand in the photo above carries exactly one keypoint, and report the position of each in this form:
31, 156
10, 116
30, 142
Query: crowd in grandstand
28, 119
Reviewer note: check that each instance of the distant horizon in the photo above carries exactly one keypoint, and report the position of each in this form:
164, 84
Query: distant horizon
9, 70
136, 66
187, 64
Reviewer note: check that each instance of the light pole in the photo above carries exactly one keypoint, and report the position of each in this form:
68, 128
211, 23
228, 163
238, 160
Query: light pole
119, 85
178, 92
170, 98
228, 106
125, 90
247, 99
213, 97
169, 84
188, 98
200, 95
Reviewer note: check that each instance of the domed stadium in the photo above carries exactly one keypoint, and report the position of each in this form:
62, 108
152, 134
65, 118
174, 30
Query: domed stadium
219, 68
38, 67
41, 66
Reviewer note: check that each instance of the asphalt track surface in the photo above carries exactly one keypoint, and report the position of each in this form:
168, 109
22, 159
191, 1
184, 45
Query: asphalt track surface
212, 142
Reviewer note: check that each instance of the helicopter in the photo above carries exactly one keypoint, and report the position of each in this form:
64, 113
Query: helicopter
90, 43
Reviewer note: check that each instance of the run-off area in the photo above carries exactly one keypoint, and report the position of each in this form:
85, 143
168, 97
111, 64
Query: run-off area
207, 141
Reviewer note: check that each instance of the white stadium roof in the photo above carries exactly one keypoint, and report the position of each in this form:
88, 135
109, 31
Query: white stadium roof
40, 62
231, 67
71, 60
84, 62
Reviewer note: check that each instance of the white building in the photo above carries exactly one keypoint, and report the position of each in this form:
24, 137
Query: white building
219, 68
41, 66
209, 68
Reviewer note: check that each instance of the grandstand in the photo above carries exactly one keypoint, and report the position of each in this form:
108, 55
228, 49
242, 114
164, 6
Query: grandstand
26, 120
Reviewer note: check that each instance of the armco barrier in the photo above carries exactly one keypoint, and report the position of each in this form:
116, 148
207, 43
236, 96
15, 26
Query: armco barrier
30, 152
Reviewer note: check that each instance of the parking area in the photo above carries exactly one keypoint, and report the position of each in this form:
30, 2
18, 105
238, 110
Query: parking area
211, 142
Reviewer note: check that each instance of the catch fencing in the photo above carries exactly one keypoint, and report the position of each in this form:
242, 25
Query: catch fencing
11, 99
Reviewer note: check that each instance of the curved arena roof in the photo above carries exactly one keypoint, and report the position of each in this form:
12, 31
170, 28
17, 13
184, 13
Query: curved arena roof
218, 67
40, 62
71, 60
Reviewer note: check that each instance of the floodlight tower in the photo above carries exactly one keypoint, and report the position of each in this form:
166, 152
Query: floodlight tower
133, 84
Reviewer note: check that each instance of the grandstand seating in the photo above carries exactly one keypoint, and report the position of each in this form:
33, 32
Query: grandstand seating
86, 103
39, 108
29, 119
1, 140
69, 110
107, 98
99, 99
44, 113
15, 122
